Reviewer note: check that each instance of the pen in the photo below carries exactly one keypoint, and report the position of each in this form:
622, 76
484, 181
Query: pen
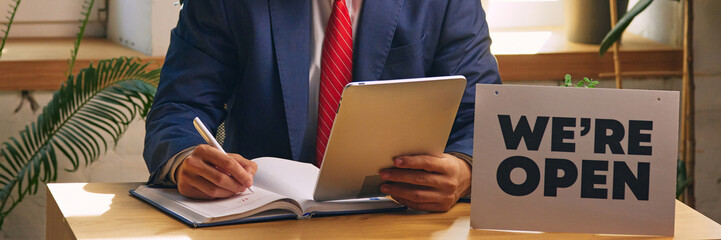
211, 140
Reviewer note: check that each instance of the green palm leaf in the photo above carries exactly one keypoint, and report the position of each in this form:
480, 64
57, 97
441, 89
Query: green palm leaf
90, 110
681, 180
85, 12
10, 19
615, 33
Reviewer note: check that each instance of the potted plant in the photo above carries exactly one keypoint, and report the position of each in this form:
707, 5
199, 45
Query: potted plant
91, 109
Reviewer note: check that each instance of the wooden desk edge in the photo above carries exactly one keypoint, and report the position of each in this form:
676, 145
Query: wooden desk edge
56, 227
59, 228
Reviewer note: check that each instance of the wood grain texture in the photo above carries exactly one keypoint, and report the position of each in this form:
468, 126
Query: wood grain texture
556, 56
40, 64
29, 49
554, 66
107, 211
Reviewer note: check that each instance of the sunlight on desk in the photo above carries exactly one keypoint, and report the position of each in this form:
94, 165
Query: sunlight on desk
521, 42
515, 231
458, 230
130, 218
92, 204
177, 237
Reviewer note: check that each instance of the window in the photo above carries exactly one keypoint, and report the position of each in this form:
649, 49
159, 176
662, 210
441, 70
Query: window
503, 14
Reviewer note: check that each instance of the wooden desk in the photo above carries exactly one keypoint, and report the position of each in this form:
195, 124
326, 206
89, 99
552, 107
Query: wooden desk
106, 211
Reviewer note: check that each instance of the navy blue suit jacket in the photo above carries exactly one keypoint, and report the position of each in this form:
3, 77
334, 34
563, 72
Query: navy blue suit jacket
254, 56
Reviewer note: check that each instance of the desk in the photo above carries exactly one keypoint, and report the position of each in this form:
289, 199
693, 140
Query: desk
107, 211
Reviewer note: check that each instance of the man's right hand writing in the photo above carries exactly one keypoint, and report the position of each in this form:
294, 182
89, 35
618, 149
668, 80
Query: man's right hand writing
207, 173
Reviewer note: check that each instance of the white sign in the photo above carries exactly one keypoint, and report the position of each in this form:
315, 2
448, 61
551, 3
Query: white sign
579, 160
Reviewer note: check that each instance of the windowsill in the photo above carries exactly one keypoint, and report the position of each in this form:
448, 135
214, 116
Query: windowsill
525, 54
40, 63
545, 54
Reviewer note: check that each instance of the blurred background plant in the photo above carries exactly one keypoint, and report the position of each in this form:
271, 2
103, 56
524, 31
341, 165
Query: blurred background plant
586, 82
614, 35
91, 109
6, 31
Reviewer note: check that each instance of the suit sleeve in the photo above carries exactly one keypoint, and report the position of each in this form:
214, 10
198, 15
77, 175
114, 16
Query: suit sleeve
464, 49
196, 81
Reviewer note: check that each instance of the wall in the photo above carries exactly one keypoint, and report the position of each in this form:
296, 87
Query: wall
660, 22
707, 64
142, 25
51, 18
129, 24
523, 14
163, 19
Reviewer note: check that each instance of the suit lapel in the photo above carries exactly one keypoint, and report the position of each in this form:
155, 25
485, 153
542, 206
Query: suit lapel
290, 23
376, 27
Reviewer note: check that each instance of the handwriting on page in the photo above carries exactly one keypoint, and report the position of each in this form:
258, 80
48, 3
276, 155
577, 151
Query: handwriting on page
608, 134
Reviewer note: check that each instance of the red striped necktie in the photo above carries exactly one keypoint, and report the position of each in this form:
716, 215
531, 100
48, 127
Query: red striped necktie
335, 72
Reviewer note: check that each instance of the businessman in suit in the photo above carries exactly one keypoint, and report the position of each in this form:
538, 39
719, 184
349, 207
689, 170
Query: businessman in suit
269, 63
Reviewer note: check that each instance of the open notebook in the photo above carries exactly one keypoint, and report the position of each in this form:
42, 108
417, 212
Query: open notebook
282, 189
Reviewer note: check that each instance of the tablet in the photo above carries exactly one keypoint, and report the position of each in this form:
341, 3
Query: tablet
380, 120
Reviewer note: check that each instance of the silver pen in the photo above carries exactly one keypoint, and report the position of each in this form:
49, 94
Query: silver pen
211, 140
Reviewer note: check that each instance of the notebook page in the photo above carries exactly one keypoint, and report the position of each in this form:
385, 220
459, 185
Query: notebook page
286, 177
238, 204
297, 180
348, 205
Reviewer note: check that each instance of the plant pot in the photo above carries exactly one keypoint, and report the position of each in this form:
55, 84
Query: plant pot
588, 21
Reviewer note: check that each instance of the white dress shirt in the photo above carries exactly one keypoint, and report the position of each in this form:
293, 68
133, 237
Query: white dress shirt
320, 13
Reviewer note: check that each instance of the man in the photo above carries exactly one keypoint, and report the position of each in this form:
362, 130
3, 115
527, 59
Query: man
268, 62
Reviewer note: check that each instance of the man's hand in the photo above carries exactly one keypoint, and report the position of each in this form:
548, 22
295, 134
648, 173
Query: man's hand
427, 183
207, 173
